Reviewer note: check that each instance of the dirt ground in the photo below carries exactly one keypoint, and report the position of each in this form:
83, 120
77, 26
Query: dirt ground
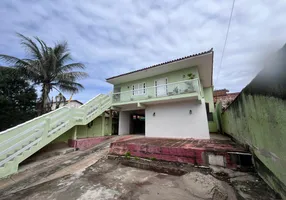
109, 179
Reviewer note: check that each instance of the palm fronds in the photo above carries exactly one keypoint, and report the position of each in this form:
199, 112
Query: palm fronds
47, 66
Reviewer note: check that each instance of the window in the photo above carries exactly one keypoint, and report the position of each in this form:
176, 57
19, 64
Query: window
208, 107
139, 89
161, 87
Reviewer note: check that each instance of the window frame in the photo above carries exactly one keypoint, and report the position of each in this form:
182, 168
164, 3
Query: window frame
139, 91
166, 84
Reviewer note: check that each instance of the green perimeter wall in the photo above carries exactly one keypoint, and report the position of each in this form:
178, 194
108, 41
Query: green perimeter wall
260, 123
257, 119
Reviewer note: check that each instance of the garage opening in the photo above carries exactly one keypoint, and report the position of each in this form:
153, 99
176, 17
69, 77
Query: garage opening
137, 122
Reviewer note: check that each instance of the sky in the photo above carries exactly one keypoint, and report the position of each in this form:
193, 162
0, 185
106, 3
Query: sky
112, 37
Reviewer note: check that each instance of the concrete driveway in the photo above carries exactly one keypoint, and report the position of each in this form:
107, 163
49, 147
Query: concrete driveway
108, 179
89, 175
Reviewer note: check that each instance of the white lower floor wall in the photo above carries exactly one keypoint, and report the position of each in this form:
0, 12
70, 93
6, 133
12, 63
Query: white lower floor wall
124, 123
187, 119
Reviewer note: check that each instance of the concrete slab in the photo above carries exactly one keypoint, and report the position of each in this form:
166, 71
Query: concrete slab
216, 160
84, 175
108, 179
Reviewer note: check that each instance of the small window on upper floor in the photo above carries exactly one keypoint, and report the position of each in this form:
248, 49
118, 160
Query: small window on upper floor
139, 89
117, 89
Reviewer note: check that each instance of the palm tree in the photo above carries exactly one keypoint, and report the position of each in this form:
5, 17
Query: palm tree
48, 67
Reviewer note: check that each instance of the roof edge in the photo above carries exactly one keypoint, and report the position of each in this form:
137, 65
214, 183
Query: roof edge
164, 63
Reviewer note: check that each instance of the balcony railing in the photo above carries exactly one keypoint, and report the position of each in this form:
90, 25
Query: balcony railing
164, 90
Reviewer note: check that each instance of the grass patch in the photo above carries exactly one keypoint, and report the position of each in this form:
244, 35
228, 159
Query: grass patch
127, 154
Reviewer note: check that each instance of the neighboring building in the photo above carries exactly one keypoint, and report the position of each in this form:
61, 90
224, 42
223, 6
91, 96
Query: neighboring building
224, 97
171, 99
71, 104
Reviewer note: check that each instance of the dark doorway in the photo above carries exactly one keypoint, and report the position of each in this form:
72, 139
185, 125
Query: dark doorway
115, 122
137, 122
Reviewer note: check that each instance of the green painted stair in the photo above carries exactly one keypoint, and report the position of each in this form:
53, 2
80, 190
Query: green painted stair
20, 142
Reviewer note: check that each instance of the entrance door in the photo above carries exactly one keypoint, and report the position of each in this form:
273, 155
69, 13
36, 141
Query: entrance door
161, 87
137, 124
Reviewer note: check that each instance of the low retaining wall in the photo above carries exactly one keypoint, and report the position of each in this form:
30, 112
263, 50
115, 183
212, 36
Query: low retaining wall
86, 143
204, 153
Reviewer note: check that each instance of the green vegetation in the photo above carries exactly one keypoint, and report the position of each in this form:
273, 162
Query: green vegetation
127, 154
17, 99
153, 159
48, 67
191, 76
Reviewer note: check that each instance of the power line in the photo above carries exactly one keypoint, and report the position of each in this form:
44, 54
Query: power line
226, 37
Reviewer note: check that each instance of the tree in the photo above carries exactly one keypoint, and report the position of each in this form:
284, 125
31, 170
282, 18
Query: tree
17, 99
48, 67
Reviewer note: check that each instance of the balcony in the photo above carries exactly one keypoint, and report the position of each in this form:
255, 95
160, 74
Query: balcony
162, 92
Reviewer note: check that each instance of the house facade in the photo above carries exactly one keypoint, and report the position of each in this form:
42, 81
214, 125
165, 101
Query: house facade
173, 99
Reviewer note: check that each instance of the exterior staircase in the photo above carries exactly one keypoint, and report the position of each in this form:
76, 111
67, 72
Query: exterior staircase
20, 142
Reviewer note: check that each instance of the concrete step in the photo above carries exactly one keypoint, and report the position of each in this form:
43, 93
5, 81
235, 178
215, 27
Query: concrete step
224, 153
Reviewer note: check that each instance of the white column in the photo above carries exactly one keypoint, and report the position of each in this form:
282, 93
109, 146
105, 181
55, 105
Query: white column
124, 123
110, 122
103, 123
74, 137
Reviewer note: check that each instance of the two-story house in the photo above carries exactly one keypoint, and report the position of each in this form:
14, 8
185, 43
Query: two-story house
171, 99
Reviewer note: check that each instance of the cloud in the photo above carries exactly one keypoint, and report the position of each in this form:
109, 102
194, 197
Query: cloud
113, 37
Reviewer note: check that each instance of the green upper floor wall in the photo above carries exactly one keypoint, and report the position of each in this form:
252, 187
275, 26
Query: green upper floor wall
172, 77
208, 95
